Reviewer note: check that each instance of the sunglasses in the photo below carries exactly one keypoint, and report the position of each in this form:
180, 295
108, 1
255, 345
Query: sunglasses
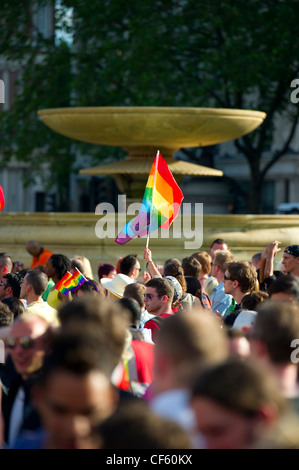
3, 284
227, 278
150, 296
24, 341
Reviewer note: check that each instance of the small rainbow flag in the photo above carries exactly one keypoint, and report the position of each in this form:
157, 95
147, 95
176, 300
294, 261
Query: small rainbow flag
70, 282
160, 205
2, 200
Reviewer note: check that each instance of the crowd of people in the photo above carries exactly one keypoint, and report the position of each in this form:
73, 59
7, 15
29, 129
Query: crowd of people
197, 353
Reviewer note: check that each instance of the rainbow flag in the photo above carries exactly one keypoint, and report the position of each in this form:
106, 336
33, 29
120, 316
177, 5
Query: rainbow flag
2, 200
160, 205
70, 282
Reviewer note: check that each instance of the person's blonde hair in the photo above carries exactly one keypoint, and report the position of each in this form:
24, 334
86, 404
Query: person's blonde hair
205, 260
222, 259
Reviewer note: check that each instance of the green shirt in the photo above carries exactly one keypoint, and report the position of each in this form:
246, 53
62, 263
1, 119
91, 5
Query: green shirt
46, 293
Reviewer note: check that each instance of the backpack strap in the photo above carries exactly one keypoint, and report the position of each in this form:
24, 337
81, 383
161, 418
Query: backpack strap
158, 321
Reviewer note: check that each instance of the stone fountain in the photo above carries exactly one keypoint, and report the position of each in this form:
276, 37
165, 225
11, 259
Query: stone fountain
141, 131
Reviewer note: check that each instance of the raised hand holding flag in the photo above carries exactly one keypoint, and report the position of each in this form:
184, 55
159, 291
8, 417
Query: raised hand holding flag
70, 282
160, 205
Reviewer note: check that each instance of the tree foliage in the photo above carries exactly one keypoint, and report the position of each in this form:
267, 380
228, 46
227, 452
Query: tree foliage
228, 54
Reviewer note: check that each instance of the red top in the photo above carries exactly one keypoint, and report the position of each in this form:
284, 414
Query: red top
141, 366
144, 357
152, 325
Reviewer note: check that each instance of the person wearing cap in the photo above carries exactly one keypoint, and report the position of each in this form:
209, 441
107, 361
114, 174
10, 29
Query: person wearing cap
178, 292
290, 259
116, 286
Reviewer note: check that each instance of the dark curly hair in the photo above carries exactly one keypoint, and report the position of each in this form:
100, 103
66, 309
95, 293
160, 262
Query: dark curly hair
61, 264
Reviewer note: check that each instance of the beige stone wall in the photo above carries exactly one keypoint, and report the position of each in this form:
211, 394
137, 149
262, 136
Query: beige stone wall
74, 234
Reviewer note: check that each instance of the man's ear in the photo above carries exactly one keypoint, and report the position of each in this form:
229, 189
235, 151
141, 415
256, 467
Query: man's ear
5, 270
268, 414
29, 288
164, 299
9, 291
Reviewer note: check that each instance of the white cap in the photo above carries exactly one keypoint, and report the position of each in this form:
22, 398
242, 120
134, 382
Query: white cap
245, 320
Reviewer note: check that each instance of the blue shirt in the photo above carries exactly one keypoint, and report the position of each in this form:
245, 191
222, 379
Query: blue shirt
220, 300
31, 440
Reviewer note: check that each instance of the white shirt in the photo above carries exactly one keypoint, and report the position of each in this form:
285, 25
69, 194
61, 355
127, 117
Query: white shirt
175, 405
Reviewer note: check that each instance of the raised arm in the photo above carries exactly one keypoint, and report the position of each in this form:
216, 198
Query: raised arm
267, 262
147, 256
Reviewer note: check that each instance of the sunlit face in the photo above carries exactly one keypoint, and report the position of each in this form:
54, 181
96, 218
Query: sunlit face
49, 270
137, 270
111, 275
153, 302
71, 405
222, 428
24, 285
214, 269
218, 246
290, 263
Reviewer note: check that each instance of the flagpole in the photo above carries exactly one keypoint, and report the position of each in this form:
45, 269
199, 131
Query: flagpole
154, 187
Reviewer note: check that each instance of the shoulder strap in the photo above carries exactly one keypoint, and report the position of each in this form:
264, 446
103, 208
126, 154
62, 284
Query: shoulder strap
158, 321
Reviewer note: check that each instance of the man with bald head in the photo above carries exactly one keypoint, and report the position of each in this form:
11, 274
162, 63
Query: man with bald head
26, 344
38, 252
